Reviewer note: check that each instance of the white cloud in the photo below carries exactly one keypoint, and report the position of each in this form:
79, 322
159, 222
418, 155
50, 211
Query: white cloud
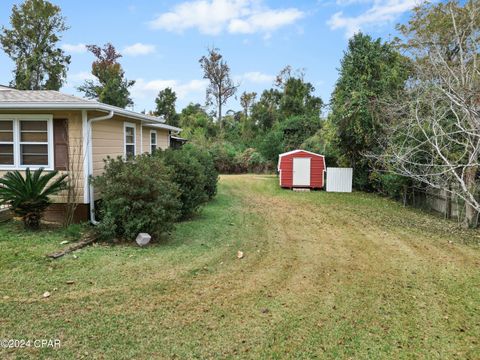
381, 12
212, 17
150, 89
138, 49
75, 48
256, 77
80, 77
264, 21
76, 79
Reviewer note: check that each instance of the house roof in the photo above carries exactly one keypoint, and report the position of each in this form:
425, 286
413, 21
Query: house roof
12, 99
165, 126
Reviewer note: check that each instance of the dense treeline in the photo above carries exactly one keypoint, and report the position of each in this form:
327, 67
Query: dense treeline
404, 114
282, 118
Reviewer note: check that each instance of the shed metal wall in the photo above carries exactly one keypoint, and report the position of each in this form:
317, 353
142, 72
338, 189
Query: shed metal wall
339, 179
317, 168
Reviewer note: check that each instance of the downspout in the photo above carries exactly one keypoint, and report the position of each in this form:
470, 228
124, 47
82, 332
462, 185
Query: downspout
91, 197
141, 139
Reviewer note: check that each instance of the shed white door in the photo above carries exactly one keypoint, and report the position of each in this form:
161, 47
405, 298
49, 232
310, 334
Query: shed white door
301, 171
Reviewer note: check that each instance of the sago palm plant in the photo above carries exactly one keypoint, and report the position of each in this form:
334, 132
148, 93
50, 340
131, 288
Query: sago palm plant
28, 196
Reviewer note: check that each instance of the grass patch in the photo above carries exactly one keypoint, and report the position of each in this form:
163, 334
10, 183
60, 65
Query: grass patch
324, 275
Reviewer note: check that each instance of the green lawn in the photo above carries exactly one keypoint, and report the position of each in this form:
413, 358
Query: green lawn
324, 276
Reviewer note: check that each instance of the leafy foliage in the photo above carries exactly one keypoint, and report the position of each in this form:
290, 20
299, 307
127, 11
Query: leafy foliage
247, 100
205, 158
29, 196
111, 87
189, 175
137, 196
165, 106
32, 45
370, 71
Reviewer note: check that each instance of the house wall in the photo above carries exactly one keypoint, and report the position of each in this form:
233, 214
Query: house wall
75, 149
162, 138
107, 140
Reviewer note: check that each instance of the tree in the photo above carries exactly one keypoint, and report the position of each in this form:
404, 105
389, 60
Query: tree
221, 86
165, 103
32, 44
111, 87
370, 71
296, 129
247, 100
197, 125
265, 112
298, 99
434, 129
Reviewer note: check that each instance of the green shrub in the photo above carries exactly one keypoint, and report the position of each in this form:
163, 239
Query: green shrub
272, 145
258, 164
252, 161
225, 158
189, 174
29, 196
206, 159
389, 184
137, 196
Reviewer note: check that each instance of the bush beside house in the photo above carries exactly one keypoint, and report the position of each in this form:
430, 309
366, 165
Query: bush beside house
151, 192
206, 159
137, 196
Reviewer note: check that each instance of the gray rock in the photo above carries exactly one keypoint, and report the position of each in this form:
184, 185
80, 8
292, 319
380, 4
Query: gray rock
143, 239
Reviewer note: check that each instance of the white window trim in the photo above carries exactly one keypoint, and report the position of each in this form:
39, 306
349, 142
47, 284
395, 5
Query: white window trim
131, 125
156, 140
16, 118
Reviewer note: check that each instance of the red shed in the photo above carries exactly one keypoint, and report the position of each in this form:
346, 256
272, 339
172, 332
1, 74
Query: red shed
301, 169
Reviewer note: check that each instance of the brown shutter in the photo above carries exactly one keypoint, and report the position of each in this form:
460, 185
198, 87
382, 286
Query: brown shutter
60, 140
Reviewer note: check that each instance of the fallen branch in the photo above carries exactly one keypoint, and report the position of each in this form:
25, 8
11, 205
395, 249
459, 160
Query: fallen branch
74, 247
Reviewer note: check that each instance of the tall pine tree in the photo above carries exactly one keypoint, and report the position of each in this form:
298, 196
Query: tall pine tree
165, 106
36, 28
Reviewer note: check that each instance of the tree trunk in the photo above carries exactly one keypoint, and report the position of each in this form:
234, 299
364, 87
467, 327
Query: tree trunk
470, 212
448, 203
220, 113
31, 220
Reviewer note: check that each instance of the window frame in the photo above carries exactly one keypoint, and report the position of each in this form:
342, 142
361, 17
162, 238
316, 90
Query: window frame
17, 118
156, 140
7, 166
134, 127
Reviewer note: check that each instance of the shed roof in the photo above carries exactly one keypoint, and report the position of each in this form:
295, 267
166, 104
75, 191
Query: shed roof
293, 152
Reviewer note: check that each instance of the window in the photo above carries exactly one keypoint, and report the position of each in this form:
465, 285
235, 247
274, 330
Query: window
153, 141
33, 143
6, 142
26, 141
129, 130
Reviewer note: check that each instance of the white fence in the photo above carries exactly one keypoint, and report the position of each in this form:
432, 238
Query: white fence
339, 179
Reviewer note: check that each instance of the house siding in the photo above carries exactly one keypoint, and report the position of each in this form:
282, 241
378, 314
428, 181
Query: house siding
162, 138
75, 149
108, 140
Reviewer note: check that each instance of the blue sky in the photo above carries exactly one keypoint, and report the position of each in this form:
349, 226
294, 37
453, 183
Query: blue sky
161, 41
